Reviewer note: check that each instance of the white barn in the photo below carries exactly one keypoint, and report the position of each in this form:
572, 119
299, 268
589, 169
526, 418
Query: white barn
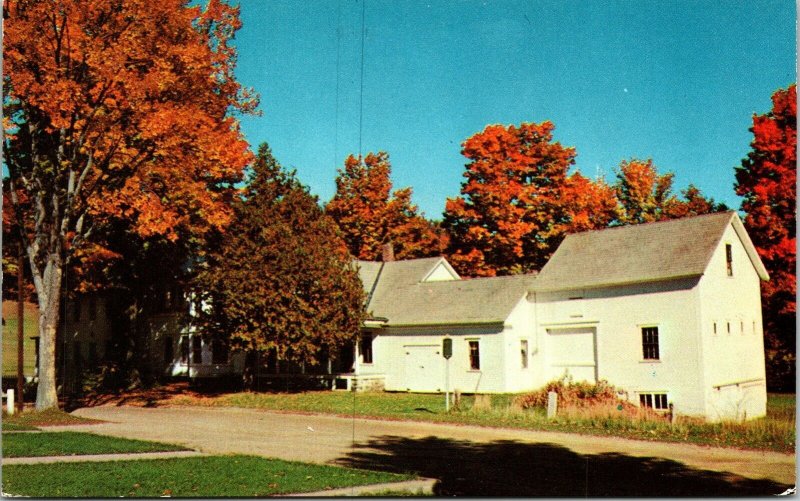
670, 312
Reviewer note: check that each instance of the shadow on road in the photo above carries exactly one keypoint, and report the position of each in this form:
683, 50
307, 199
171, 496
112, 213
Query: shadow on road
509, 468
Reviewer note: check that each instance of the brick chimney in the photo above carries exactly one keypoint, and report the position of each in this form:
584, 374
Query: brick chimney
388, 252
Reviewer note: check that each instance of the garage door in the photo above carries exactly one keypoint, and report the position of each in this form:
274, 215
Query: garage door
423, 368
571, 351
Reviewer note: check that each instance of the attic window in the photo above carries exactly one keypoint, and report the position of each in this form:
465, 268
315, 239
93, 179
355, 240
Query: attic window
729, 259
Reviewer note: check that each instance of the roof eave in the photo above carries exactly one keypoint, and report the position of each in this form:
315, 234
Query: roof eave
556, 288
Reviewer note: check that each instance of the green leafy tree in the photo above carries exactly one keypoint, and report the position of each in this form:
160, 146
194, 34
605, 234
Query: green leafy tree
281, 279
645, 195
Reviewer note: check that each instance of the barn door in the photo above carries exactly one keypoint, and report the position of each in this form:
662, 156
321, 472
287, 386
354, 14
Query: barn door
571, 351
423, 367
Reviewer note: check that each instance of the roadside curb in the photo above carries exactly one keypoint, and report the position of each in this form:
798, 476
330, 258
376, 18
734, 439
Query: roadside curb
87, 458
421, 486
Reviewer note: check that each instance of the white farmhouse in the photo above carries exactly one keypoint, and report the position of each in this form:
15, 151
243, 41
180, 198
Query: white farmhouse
670, 312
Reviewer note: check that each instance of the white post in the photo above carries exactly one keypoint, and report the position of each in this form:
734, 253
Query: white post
447, 385
10, 401
552, 404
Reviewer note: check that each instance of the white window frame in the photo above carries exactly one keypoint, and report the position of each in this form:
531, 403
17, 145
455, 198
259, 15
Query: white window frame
469, 354
653, 400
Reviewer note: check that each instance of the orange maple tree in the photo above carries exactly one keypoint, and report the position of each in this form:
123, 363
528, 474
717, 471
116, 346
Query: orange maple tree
117, 109
767, 179
370, 215
519, 200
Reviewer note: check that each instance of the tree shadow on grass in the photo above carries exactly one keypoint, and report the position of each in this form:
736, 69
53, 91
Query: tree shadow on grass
510, 468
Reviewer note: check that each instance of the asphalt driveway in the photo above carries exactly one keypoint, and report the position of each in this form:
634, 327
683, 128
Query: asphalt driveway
465, 459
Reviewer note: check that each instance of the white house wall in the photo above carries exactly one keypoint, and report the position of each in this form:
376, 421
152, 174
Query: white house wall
617, 314
520, 327
735, 383
411, 359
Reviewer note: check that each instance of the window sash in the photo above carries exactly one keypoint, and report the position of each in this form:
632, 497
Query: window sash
474, 355
366, 349
650, 349
657, 401
523, 348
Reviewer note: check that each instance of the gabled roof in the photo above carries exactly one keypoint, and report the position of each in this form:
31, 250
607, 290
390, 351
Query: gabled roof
398, 293
663, 250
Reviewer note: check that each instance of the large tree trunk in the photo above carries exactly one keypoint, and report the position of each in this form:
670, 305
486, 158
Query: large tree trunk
48, 289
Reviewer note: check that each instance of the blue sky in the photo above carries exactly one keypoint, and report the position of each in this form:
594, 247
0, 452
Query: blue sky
675, 81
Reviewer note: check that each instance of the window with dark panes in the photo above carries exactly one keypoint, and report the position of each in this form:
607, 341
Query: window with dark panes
474, 355
197, 350
169, 353
656, 401
650, 343
366, 348
219, 352
729, 259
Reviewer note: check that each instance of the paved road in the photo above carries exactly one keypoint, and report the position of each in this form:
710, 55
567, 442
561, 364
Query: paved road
465, 459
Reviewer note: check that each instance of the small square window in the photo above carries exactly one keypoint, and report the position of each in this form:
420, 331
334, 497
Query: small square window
474, 355
650, 349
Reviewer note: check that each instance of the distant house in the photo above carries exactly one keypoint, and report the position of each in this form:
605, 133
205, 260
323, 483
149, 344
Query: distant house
669, 312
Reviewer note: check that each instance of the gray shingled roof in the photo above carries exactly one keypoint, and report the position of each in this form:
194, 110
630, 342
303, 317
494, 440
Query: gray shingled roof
404, 300
614, 256
640, 253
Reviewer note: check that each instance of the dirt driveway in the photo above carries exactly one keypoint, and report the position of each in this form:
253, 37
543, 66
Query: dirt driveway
467, 460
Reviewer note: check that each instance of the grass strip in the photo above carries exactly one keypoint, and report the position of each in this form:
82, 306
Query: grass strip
70, 443
49, 417
211, 476
16, 426
775, 432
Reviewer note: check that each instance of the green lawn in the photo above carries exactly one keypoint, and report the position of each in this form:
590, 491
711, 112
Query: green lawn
70, 443
214, 476
774, 432
31, 328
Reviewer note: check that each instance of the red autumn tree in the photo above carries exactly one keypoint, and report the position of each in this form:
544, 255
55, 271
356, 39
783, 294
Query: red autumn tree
117, 109
518, 201
767, 179
370, 215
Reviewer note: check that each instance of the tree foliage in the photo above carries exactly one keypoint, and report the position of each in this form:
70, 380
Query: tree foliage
281, 279
370, 215
645, 195
116, 109
767, 179
518, 201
